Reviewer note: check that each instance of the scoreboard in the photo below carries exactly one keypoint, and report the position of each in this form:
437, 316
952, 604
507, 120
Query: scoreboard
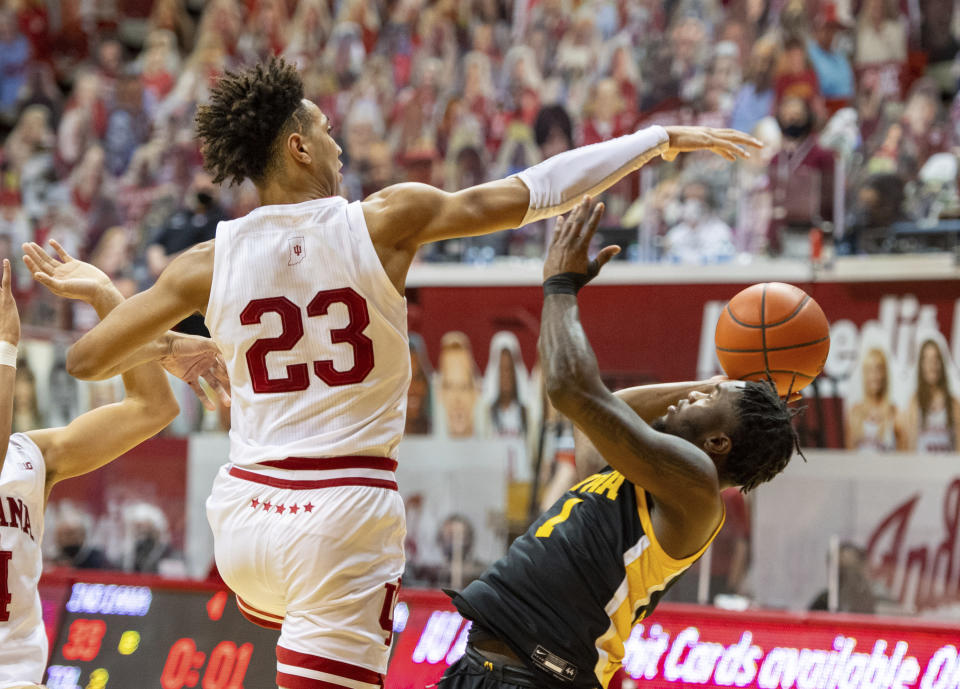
118, 631
113, 635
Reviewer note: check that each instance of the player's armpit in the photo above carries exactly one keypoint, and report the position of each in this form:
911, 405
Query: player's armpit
182, 290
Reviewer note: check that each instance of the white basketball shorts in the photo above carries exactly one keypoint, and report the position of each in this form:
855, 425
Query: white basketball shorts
315, 551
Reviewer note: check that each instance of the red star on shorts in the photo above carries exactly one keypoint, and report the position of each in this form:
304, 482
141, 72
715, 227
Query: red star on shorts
280, 509
294, 509
267, 506
308, 507
254, 503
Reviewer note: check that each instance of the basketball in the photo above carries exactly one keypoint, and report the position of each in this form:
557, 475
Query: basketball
776, 329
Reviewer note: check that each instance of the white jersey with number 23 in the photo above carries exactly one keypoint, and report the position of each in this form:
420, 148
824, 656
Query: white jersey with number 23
313, 332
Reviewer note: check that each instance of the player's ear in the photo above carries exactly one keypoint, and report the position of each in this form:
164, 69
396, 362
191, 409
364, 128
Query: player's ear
297, 148
717, 443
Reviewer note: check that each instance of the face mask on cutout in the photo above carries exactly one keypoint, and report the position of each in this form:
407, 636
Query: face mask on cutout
797, 130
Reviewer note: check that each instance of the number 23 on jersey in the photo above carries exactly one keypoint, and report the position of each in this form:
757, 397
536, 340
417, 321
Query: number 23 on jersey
291, 319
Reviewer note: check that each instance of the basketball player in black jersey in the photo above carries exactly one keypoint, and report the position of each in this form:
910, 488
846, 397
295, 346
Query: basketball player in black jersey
556, 610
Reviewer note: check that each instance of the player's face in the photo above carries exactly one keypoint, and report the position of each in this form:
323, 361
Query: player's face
327, 159
701, 413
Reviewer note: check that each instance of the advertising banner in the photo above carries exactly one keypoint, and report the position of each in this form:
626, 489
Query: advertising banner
684, 645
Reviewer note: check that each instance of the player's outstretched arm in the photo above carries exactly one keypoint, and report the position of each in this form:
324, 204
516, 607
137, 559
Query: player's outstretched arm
9, 339
410, 215
678, 474
136, 330
184, 356
103, 434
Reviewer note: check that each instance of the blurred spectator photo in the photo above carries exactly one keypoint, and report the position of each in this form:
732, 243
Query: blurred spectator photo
419, 395
873, 422
458, 385
506, 387
932, 419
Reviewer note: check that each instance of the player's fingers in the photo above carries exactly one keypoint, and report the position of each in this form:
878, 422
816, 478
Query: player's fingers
558, 229
5, 280
202, 395
592, 223
739, 137
40, 257
49, 282
732, 148
606, 253
723, 153
578, 216
216, 376
670, 155
61, 252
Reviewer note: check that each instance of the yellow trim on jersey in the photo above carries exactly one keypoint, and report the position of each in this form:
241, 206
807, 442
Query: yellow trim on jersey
661, 554
648, 569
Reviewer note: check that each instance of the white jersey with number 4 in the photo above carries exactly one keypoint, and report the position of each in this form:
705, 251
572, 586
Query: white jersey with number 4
23, 638
313, 332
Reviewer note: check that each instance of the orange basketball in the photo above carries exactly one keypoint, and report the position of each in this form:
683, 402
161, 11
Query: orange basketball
776, 329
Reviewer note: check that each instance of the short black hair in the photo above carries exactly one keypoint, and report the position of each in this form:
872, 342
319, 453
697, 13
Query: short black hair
247, 114
764, 439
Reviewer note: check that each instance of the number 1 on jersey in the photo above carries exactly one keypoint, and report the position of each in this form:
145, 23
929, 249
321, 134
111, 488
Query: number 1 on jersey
291, 320
547, 527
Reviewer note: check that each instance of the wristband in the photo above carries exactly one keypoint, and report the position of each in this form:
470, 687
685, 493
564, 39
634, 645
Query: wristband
8, 354
565, 283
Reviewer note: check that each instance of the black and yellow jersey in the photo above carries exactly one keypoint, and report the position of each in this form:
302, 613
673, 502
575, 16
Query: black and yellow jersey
569, 591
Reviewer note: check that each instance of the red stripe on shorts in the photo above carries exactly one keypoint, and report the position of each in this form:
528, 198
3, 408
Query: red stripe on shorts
329, 666
309, 485
257, 611
331, 463
297, 682
261, 622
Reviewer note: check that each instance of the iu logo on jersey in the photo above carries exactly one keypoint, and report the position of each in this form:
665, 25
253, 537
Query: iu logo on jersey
297, 251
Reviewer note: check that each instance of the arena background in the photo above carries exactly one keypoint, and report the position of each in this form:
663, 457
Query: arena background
855, 199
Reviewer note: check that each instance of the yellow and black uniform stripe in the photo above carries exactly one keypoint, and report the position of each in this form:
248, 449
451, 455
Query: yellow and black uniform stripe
573, 586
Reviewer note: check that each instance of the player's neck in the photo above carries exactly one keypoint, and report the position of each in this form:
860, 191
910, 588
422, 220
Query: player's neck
281, 191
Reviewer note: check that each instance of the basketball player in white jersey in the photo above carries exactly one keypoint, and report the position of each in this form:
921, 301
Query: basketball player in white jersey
304, 296
34, 461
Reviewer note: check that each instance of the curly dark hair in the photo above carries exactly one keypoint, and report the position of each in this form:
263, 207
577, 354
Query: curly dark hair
764, 440
248, 114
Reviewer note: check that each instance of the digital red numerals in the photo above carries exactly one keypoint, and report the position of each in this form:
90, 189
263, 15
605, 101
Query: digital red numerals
226, 669
5, 597
228, 666
291, 320
183, 660
84, 639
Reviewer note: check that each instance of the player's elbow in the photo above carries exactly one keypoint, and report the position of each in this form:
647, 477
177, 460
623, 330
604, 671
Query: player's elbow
160, 407
567, 394
80, 365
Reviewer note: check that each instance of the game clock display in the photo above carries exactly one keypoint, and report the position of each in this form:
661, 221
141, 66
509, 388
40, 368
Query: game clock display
140, 636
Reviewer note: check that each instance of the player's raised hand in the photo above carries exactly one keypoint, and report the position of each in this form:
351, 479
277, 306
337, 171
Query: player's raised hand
569, 247
192, 358
64, 275
727, 143
9, 316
